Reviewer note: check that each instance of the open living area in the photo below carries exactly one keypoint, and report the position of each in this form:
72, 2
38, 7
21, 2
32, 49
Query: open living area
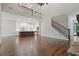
39, 29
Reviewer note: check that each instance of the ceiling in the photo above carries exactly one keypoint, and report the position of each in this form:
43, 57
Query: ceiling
55, 9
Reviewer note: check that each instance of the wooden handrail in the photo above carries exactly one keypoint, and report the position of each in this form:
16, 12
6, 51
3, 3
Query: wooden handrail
37, 12
60, 24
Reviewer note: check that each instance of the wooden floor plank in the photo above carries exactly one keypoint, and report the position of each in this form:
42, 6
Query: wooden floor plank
33, 46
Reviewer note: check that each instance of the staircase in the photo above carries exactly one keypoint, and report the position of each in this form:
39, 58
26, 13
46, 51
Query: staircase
61, 29
74, 48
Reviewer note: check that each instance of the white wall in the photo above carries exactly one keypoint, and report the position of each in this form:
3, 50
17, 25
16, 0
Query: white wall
61, 19
0, 19
72, 20
46, 28
8, 24
51, 10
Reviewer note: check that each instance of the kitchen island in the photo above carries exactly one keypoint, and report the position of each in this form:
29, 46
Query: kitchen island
26, 33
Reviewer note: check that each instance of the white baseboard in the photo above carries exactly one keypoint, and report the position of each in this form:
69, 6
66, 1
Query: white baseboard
63, 38
9, 35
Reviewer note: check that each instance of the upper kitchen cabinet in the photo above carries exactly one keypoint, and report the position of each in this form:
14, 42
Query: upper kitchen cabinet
24, 9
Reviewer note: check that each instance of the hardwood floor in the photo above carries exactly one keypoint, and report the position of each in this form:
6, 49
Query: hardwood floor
33, 46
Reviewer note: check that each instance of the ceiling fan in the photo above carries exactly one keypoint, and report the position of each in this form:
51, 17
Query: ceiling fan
41, 4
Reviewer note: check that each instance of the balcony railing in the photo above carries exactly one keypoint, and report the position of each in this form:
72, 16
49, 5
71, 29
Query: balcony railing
31, 11
21, 9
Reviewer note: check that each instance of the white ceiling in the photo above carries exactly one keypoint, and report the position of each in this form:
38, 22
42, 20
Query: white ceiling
54, 9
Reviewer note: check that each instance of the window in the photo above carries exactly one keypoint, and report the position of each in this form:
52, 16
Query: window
26, 26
